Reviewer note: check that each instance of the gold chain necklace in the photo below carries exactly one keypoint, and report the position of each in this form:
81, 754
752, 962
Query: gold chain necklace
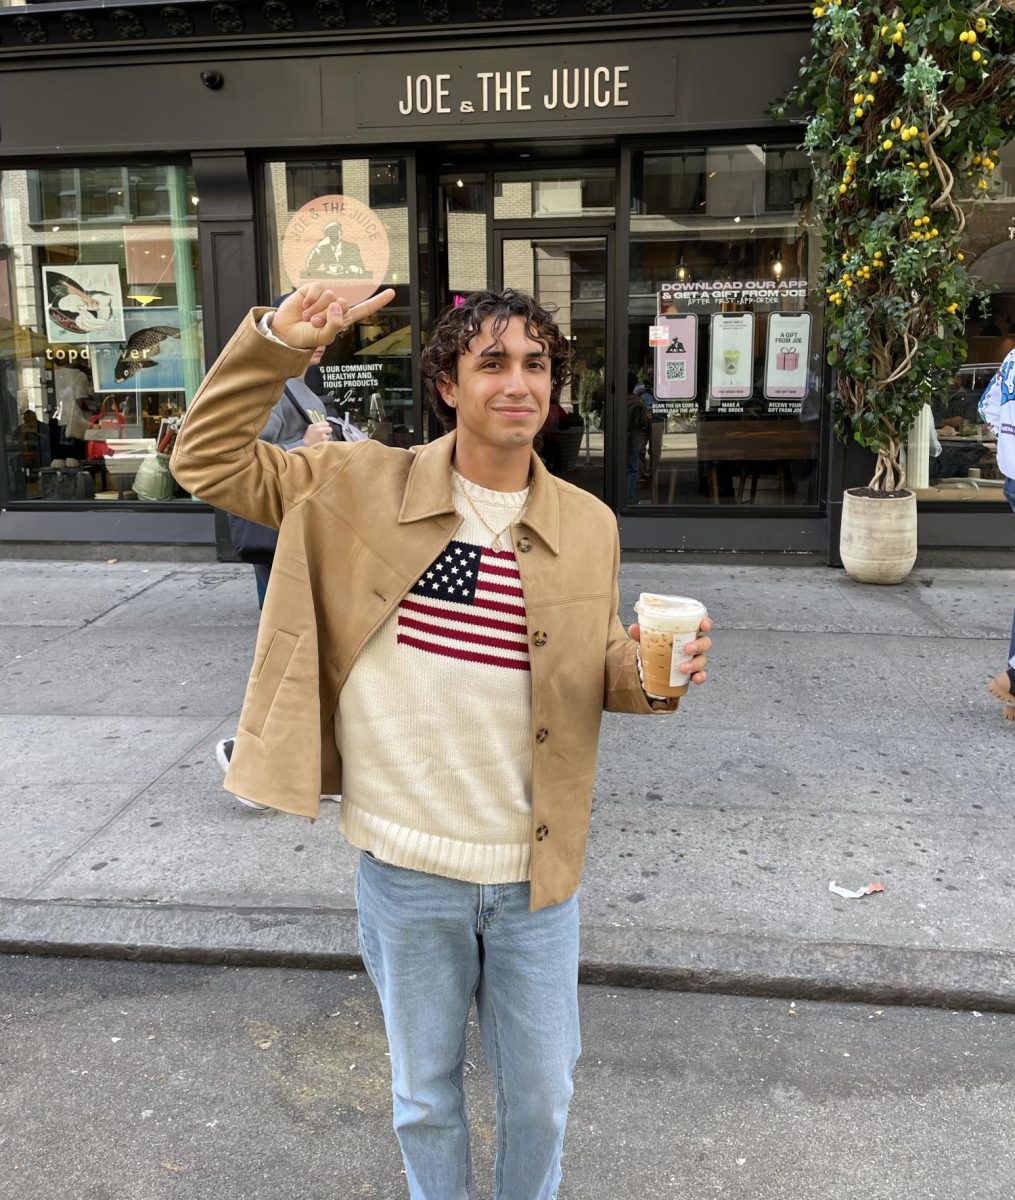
497, 533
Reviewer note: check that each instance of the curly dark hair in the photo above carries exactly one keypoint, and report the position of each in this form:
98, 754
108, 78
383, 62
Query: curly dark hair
455, 328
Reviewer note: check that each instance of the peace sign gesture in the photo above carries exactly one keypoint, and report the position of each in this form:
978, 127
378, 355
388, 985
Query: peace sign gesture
314, 315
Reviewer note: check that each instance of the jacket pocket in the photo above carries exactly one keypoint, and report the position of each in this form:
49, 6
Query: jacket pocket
269, 679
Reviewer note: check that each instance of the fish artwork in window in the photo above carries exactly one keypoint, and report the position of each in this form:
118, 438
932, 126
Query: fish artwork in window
140, 350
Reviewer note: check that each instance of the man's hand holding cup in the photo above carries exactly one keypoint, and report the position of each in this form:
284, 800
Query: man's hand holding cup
664, 624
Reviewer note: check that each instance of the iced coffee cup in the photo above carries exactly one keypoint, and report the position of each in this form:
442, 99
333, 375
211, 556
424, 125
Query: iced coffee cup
667, 624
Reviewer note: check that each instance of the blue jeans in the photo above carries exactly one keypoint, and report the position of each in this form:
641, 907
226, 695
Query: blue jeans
1009, 494
430, 944
262, 573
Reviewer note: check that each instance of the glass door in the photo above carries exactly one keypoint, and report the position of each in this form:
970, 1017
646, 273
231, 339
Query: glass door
570, 276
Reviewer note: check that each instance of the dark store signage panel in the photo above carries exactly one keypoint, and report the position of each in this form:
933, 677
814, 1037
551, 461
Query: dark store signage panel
510, 86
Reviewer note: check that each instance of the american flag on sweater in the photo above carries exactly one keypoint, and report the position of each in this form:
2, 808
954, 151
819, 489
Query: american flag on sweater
468, 605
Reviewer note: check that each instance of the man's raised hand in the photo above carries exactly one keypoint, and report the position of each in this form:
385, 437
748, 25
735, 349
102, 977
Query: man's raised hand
314, 315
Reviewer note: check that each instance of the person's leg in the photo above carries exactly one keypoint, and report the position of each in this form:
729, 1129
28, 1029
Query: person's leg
528, 1017
1009, 491
262, 573
1002, 687
633, 470
420, 948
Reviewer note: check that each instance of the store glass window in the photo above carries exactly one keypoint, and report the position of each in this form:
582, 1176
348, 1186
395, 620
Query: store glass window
951, 454
535, 193
100, 321
724, 338
464, 229
345, 221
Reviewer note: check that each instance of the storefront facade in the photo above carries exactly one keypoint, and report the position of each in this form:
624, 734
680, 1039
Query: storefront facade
164, 167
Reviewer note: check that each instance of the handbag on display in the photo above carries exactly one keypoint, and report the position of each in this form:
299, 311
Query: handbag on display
104, 425
154, 481
59, 483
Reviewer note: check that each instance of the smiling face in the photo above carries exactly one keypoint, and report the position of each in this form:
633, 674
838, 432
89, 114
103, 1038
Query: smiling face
502, 393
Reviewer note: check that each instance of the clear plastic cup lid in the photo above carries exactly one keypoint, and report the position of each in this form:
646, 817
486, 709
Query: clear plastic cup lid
657, 605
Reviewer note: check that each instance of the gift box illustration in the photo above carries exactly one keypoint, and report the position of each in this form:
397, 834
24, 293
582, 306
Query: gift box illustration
787, 360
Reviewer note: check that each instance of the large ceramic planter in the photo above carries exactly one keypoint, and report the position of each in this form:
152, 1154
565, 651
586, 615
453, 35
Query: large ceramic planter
877, 542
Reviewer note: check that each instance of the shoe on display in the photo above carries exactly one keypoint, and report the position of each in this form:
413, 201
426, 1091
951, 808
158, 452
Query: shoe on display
58, 463
73, 462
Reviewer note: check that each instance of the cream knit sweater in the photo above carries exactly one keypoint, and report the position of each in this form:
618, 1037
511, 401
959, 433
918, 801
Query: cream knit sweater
434, 721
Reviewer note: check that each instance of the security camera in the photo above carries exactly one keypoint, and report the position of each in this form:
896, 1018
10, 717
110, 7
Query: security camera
212, 79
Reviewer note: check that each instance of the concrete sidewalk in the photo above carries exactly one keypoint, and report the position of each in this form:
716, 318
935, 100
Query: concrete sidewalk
845, 735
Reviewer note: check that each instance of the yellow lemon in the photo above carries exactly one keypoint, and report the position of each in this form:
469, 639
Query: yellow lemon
886, 144
842, 188
976, 56
896, 122
858, 98
869, 98
905, 135
970, 36
962, 36
858, 112
874, 77
960, 256
900, 26
981, 25
897, 38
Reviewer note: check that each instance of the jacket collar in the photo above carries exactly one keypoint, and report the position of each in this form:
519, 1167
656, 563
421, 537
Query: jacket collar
428, 491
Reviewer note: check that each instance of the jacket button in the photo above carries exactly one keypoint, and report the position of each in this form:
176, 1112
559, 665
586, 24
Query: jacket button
539, 638
524, 545
542, 735
541, 833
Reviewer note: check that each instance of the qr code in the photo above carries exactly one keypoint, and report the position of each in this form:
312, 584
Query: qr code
676, 370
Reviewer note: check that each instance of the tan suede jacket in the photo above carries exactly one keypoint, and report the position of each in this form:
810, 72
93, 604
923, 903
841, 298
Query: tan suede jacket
358, 522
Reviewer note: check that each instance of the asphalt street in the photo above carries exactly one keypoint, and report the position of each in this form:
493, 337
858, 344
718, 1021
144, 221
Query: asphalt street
132, 1081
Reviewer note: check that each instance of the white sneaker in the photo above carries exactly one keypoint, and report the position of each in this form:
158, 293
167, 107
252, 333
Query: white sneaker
223, 753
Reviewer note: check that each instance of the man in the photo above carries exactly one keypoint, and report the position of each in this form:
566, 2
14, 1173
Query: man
997, 409
332, 256
451, 613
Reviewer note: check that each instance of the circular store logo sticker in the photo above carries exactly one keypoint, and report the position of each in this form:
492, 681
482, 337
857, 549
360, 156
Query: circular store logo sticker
339, 241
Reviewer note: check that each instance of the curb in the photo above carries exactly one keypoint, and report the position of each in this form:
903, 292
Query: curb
664, 959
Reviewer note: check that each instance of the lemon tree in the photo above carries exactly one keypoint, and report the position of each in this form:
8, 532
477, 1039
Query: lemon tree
906, 109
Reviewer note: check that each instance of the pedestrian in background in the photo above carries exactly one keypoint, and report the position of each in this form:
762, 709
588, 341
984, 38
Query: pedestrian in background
449, 613
997, 409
